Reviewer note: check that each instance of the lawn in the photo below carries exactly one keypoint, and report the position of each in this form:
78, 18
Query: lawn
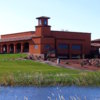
11, 56
27, 72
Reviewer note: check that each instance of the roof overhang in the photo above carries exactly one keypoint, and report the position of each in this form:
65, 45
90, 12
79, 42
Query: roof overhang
95, 44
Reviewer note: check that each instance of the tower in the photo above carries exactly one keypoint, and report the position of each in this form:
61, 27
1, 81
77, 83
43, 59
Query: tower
43, 29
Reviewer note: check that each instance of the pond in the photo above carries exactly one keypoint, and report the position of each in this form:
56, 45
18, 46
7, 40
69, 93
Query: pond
50, 93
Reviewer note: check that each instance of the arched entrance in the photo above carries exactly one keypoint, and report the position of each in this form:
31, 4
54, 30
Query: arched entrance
18, 48
26, 47
4, 48
11, 46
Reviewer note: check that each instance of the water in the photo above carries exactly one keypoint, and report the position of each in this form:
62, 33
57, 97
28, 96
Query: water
49, 93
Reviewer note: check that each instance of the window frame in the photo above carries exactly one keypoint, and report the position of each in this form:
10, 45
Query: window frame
49, 46
76, 47
35, 46
45, 22
63, 46
40, 22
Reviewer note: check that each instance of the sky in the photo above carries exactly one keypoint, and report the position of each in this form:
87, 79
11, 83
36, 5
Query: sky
71, 15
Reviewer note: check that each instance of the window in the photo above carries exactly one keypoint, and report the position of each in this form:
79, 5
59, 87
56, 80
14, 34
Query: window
45, 22
63, 46
35, 46
40, 22
76, 47
47, 46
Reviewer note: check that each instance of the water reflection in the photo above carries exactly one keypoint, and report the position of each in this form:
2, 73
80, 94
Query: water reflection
49, 93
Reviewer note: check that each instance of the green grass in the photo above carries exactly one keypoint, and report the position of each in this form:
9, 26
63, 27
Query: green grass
13, 66
28, 72
11, 56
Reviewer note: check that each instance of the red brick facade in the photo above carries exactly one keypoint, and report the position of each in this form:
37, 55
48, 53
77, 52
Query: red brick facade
44, 40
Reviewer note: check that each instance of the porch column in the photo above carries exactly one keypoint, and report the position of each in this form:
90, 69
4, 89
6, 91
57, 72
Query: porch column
1, 49
8, 49
83, 55
14, 48
70, 54
22, 47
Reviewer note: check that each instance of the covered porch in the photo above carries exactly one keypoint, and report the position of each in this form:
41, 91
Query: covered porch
15, 45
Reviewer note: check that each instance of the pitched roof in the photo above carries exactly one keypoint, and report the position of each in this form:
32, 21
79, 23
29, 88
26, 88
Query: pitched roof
16, 39
95, 44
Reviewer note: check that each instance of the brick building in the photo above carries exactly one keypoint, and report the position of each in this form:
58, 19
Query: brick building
44, 40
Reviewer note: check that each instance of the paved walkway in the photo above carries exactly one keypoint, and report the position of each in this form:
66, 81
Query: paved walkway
73, 66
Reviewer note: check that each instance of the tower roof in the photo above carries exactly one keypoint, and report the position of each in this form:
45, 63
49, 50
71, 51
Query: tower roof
43, 17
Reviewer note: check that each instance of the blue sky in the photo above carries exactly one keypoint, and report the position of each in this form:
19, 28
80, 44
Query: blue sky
72, 15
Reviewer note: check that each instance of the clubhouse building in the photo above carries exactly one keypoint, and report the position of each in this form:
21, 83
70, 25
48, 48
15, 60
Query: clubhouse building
44, 40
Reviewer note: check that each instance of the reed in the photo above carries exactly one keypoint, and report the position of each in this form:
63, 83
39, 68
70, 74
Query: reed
40, 79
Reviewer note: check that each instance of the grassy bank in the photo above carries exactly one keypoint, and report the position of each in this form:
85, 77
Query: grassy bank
26, 72
12, 56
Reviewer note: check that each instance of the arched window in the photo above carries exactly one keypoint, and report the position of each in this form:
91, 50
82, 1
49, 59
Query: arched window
26, 47
11, 47
18, 47
5, 48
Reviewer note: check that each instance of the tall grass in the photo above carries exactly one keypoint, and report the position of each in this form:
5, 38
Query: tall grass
40, 79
